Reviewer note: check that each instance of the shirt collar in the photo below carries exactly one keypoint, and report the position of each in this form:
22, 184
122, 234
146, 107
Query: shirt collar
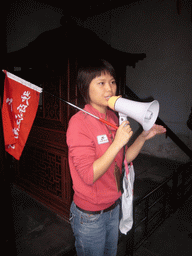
92, 110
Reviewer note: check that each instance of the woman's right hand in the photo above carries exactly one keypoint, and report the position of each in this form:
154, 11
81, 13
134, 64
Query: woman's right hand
123, 134
102, 164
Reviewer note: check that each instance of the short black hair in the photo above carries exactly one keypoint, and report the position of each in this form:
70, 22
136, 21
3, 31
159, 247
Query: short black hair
90, 70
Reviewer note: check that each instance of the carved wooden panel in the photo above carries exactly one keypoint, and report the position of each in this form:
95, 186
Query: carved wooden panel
43, 170
44, 173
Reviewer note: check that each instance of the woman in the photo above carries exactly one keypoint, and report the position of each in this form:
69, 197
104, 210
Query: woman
95, 160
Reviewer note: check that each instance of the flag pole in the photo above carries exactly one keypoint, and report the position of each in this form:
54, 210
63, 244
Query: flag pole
99, 118
69, 103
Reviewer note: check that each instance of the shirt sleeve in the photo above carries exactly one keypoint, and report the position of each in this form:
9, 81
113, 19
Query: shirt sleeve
81, 150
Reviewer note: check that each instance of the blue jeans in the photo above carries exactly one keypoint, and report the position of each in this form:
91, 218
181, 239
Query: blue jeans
95, 234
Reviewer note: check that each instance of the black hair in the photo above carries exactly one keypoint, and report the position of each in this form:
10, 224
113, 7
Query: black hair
90, 70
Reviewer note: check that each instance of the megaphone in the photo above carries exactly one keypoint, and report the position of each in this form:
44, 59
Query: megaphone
144, 113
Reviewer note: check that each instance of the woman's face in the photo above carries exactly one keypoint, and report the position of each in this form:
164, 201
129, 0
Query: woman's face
101, 89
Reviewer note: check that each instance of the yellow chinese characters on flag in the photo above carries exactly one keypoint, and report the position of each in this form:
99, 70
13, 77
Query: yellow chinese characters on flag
20, 103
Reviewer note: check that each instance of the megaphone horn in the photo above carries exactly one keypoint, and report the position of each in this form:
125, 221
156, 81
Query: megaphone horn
144, 113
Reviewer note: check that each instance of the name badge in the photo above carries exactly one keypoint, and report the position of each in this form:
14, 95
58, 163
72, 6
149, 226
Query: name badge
101, 139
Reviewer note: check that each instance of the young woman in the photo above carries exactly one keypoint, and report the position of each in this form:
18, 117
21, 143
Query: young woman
95, 160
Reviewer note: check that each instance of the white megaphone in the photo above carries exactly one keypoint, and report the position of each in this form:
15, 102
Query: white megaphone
144, 113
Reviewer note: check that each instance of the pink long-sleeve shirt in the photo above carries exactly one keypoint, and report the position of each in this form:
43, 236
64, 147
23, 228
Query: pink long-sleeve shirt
87, 140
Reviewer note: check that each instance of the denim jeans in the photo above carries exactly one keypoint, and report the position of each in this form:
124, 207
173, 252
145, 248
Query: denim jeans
95, 234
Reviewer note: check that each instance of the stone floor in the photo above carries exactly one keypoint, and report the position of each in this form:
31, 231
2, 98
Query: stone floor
173, 237
38, 230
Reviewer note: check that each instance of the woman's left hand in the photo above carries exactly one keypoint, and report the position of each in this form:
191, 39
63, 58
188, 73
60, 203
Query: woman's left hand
155, 130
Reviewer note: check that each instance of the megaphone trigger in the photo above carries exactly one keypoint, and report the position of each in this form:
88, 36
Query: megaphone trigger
144, 113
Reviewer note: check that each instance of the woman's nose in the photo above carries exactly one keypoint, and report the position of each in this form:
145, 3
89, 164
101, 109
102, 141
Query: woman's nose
108, 87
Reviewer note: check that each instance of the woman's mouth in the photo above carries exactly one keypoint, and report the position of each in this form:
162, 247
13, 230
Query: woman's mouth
107, 97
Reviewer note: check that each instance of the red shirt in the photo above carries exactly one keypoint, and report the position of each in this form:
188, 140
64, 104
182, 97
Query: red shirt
88, 139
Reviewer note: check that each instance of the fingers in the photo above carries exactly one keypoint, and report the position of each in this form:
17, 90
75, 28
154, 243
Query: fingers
125, 126
123, 134
159, 129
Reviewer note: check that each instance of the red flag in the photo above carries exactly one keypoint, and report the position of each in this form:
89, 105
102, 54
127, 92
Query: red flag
20, 103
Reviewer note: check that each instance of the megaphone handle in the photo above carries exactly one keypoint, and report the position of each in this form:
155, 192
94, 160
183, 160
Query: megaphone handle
122, 118
108, 123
